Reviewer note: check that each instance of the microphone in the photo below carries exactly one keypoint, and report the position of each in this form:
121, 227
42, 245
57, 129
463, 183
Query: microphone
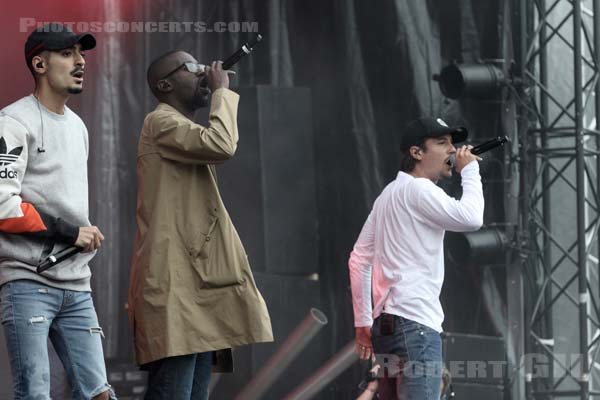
237, 56
489, 145
483, 147
245, 49
57, 258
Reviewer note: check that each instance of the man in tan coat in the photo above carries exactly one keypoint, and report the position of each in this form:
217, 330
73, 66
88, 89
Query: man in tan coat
191, 288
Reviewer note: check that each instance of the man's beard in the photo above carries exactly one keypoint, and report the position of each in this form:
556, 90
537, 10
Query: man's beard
202, 101
75, 90
198, 101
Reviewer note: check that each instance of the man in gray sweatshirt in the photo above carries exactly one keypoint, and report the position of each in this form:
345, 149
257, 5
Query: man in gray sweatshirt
44, 209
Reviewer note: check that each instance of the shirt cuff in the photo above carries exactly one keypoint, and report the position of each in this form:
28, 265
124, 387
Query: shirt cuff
471, 167
225, 92
364, 323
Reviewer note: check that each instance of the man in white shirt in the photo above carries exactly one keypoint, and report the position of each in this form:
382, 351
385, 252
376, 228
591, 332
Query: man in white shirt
398, 259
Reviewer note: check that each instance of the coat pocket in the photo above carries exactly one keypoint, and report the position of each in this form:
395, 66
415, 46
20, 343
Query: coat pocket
199, 246
217, 262
210, 295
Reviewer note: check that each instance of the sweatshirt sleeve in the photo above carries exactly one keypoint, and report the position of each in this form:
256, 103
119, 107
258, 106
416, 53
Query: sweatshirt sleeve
16, 215
360, 266
179, 139
462, 215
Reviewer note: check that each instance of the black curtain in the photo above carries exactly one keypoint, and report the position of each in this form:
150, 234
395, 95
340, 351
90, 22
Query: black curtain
369, 67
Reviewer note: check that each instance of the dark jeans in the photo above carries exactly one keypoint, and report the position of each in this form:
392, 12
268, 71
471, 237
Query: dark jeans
411, 356
179, 378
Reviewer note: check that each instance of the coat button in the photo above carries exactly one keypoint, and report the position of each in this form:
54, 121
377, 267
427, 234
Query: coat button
208, 238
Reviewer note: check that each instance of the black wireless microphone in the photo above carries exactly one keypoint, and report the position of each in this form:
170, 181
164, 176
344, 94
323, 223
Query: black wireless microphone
245, 49
483, 147
237, 56
57, 258
489, 145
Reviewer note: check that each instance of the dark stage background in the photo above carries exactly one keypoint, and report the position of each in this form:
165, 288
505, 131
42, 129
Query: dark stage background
324, 100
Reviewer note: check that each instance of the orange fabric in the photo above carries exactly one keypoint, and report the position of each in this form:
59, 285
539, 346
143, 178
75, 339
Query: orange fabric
29, 222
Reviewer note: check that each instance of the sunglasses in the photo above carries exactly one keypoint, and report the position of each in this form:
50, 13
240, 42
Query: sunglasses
192, 67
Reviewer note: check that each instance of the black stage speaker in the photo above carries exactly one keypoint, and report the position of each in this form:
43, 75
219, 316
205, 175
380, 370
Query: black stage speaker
475, 358
477, 364
127, 380
269, 186
473, 391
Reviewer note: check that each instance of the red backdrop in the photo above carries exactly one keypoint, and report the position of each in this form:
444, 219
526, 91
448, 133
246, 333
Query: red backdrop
16, 79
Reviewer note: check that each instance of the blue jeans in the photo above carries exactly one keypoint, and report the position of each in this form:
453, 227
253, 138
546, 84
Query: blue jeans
179, 378
411, 356
30, 313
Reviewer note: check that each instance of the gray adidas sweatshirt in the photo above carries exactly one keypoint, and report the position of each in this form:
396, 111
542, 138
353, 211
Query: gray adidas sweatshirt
43, 193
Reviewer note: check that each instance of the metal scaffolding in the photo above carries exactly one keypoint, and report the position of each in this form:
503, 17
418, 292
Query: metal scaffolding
559, 142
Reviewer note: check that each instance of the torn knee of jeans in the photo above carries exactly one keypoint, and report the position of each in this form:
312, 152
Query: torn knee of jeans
98, 330
37, 319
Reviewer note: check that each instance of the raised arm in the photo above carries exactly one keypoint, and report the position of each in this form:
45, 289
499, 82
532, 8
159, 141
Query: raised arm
180, 139
461, 215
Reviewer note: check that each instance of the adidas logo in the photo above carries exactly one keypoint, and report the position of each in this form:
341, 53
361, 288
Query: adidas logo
11, 156
7, 158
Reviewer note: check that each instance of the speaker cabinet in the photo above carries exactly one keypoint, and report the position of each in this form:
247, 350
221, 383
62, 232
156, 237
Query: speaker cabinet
269, 186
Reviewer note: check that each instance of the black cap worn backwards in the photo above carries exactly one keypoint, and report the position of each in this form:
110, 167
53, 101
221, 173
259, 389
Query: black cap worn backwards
423, 128
54, 37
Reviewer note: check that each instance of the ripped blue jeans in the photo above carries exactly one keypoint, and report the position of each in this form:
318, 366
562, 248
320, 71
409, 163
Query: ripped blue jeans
30, 313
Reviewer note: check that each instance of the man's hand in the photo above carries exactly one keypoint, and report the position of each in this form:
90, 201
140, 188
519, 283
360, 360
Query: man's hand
217, 77
90, 238
464, 156
364, 347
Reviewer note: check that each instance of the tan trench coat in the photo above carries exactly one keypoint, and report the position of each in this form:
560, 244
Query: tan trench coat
191, 289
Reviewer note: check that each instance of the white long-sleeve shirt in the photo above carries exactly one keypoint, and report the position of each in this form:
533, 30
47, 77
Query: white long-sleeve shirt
399, 252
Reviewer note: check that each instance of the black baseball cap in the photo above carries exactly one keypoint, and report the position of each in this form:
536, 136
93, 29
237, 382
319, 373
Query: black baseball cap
423, 128
55, 36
